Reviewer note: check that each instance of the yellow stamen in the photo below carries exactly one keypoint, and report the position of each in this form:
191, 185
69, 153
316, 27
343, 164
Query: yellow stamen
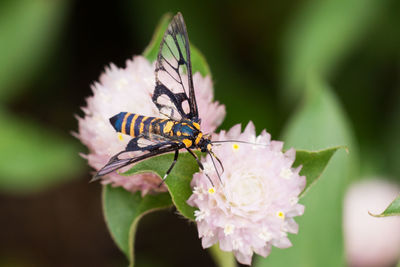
120, 137
281, 215
211, 190
235, 146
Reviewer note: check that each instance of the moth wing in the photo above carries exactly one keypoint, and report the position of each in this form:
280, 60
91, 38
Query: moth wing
174, 92
116, 162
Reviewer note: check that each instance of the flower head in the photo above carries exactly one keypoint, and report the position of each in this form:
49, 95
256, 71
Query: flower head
130, 89
253, 208
371, 241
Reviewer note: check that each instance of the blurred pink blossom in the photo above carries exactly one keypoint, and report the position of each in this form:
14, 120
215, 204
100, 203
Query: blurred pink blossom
371, 241
130, 89
253, 208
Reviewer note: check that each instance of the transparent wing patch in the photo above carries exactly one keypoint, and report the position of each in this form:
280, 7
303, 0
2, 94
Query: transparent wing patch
174, 93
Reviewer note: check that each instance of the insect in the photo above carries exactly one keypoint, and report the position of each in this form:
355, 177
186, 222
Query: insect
181, 129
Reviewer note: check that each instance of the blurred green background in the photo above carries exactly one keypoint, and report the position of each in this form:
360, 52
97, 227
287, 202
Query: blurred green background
313, 73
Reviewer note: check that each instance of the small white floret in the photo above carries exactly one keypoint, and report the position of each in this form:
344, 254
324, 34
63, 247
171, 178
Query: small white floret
229, 228
199, 192
286, 173
200, 215
236, 244
265, 235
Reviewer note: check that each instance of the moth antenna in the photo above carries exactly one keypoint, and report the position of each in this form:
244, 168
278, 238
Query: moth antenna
215, 167
219, 161
238, 141
209, 179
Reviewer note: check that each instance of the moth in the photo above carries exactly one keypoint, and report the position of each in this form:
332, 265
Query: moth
181, 127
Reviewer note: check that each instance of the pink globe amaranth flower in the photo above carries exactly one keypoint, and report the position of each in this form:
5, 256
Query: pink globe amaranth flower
130, 89
253, 208
371, 241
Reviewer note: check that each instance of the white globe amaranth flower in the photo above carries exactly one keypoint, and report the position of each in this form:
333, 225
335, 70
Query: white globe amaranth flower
371, 241
130, 89
253, 208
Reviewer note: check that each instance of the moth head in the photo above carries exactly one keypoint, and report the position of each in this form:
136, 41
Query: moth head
205, 143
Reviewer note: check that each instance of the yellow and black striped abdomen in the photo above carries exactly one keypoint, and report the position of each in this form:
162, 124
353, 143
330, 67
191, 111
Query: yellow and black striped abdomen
131, 124
135, 125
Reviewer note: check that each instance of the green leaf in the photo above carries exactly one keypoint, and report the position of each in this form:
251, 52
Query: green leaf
32, 157
313, 164
320, 122
392, 210
122, 212
28, 30
178, 181
321, 35
222, 258
199, 63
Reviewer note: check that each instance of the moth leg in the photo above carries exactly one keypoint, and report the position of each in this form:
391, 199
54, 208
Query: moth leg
170, 167
200, 165
196, 158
